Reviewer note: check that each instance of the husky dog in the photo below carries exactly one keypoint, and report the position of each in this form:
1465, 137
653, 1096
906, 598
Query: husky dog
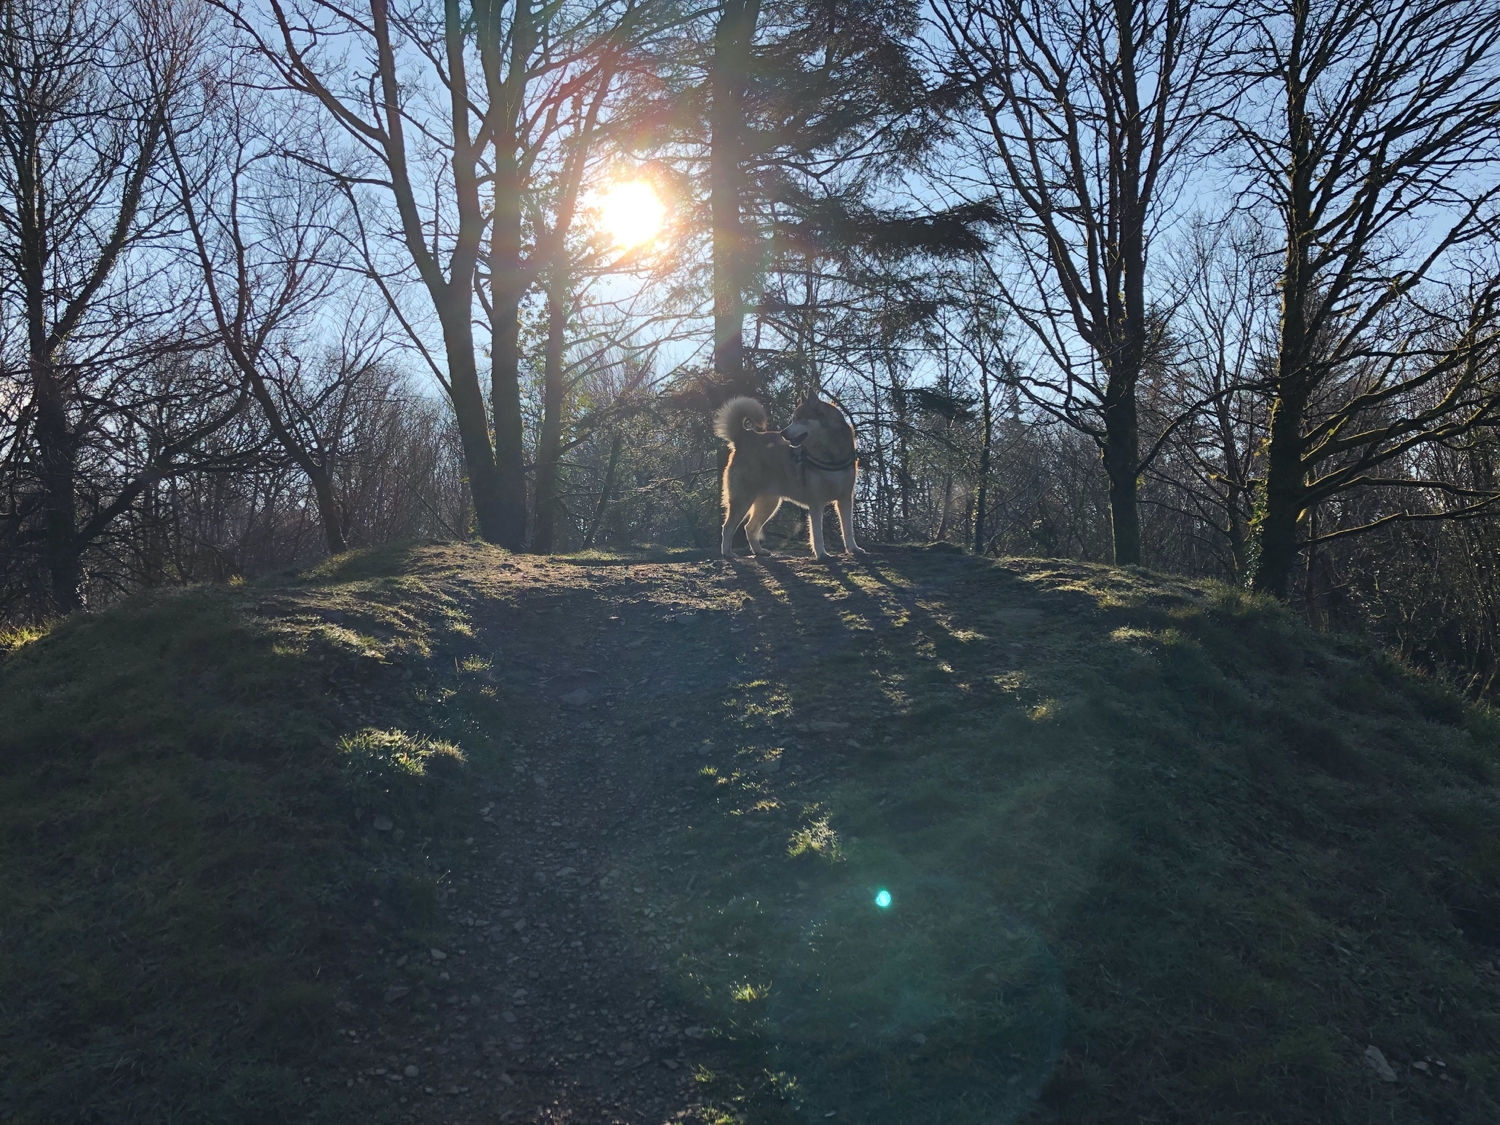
811, 463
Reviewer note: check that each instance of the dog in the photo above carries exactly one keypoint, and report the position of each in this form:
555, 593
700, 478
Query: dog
811, 463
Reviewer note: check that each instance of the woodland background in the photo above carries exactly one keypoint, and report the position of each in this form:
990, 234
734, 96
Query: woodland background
1212, 289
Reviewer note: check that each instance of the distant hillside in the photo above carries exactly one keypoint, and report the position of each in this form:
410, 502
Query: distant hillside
1152, 850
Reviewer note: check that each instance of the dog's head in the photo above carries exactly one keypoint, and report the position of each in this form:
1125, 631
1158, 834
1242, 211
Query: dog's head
820, 423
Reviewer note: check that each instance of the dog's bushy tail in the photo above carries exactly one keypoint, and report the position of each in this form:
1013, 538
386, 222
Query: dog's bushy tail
738, 415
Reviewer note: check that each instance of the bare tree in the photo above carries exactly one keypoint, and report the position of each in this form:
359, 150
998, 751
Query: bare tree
568, 132
1372, 130
266, 230
1080, 113
423, 147
1220, 351
112, 400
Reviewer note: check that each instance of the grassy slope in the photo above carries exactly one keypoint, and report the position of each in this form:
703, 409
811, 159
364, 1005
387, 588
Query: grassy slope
178, 796
1209, 854
1251, 850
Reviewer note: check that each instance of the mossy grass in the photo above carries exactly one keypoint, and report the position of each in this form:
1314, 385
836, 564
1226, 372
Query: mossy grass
186, 820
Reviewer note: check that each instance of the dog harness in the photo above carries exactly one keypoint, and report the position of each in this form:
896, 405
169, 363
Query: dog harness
828, 466
800, 456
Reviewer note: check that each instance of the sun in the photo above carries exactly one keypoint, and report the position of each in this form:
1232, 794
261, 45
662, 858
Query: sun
632, 213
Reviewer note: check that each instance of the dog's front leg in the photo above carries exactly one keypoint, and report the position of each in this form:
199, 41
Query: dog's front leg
815, 529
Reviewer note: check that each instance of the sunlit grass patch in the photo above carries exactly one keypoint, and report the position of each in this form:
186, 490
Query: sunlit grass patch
13, 637
818, 838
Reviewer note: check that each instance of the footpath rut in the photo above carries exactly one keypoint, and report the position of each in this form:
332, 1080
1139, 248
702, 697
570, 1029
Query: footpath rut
554, 1003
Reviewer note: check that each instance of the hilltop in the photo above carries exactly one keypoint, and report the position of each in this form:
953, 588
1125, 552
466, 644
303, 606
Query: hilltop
440, 833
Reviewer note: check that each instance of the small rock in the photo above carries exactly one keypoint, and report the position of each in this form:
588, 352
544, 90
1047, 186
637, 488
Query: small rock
563, 872
919, 1039
695, 1032
383, 824
1375, 1060
395, 992
770, 765
1420, 1065
825, 726
508, 1017
410, 1071
580, 698
438, 955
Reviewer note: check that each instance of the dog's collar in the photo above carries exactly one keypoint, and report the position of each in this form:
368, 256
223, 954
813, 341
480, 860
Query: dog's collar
801, 455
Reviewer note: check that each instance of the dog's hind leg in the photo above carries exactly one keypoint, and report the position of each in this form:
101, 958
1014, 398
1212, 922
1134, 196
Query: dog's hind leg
762, 510
845, 505
736, 508
815, 529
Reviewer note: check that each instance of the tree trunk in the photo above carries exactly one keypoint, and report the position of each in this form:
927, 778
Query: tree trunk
57, 459
1121, 456
1285, 497
328, 510
474, 429
733, 36
550, 443
57, 447
985, 438
506, 290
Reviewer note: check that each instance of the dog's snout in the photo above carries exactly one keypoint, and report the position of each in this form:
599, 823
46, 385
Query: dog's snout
795, 433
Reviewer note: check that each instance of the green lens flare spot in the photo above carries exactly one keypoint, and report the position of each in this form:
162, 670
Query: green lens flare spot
883, 898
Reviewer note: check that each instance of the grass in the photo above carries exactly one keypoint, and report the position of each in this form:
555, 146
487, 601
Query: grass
186, 820
1156, 851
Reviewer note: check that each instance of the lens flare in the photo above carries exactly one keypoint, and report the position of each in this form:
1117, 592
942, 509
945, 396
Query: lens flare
883, 898
632, 213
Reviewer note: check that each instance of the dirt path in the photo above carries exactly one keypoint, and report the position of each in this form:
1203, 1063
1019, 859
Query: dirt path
553, 1005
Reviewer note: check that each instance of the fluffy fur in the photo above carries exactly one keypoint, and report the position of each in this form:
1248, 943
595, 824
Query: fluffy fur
811, 463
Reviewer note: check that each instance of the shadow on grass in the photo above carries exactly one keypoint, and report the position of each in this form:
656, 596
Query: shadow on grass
1250, 851
186, 813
